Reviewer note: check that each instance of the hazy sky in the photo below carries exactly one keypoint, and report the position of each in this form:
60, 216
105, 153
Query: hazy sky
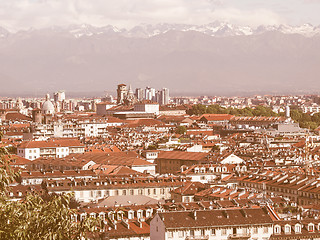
24, 14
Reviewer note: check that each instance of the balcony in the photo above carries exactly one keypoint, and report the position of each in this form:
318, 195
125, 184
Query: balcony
197, 238
239, 236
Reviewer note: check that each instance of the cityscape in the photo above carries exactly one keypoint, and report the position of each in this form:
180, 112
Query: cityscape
157, 120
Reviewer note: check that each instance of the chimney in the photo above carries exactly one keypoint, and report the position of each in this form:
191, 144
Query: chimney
244, 213
225, 213
194, 214
139, 223
126, 223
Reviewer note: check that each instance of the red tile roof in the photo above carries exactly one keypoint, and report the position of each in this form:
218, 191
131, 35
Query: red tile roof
51, 143
217, 117
178, 155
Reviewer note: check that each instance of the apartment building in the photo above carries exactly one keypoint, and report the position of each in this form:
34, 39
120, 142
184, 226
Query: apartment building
51, 149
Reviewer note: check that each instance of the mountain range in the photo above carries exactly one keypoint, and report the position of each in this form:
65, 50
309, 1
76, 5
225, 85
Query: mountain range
216, 58
216, 29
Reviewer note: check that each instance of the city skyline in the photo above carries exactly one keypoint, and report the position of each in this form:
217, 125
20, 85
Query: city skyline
160, 119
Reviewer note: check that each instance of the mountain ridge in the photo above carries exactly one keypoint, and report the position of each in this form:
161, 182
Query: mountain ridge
183, 61
216, 29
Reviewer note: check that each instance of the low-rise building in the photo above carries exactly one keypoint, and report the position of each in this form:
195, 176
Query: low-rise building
52, 148
255, 223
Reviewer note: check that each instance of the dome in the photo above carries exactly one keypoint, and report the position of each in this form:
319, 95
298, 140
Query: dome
47, 107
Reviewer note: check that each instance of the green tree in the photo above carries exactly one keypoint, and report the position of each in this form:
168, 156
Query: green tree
33, 217
181, 130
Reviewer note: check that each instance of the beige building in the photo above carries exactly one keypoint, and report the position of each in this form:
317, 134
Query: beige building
212, 224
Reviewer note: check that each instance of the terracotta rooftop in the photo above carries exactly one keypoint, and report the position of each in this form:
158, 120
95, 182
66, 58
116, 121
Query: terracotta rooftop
215, 218
51, 143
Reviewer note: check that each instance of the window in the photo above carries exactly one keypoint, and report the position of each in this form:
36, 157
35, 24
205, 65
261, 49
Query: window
202, 232
124, 192
116, 192
223, 231
155, 191
181, 234
265, 229
287, 229
170, 234
131, 192
99, 194
149, 191
191, 233
298, 229
310, 228
255, 230
213, 232
277, 229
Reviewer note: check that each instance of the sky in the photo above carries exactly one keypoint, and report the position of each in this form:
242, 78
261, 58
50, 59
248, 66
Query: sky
24, 14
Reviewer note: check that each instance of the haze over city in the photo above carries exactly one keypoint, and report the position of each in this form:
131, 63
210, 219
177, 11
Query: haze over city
84, 46
160, 119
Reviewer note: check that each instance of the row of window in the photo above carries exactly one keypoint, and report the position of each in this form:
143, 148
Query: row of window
124, 192
214, 232
297, 228
283, 190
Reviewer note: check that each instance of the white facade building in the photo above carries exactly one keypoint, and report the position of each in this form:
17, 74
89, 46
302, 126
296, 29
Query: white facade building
54, 149
148, 107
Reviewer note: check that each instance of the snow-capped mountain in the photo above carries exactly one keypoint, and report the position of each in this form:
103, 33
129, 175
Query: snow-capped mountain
87, 58
217, 29
88, 30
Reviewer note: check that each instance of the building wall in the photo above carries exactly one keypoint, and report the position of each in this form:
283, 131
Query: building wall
148, 108
157, 229
88, 195
102, 108
33, 153
29, 153
258, 232
172, 165
145, 169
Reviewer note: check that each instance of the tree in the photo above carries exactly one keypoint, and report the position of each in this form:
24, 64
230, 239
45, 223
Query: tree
181, 130
34, 217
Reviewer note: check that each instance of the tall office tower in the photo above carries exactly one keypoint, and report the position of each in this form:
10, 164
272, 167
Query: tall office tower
288, 112
121, 93
59, 96
150, 93
140, 94
157, 97
164, 96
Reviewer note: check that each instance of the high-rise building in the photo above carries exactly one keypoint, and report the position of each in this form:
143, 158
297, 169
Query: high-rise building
150, 93
59, 96
164, 96
140, 94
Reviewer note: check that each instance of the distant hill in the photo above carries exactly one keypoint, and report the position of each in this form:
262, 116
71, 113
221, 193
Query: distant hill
184, 58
